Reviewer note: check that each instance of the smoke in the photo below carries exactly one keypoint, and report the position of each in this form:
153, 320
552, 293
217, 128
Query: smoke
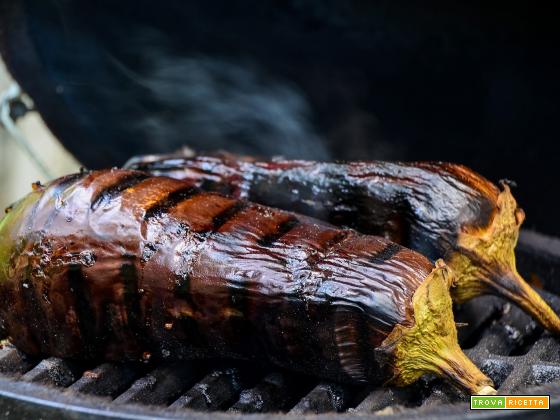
210, 103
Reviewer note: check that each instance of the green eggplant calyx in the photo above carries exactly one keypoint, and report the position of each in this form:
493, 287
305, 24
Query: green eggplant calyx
484, 263
430, 345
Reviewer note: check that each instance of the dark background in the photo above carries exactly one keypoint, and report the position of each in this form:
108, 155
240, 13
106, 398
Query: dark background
475, 82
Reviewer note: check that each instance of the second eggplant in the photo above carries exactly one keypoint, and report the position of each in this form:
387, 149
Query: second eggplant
441, 210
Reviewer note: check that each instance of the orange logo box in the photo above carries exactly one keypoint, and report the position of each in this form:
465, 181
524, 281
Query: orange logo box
524, 402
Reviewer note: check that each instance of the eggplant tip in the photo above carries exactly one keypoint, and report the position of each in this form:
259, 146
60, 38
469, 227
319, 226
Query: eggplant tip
487, 390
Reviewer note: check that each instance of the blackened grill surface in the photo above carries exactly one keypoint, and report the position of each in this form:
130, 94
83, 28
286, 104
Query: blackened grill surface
504, 342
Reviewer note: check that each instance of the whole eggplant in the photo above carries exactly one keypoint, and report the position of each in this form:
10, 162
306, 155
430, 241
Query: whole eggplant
442, 210
118, 265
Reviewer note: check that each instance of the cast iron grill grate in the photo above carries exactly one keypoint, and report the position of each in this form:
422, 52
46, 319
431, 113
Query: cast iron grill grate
504, 342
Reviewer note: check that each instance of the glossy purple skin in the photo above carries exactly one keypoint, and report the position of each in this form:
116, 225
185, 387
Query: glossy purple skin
421, 205
116, 265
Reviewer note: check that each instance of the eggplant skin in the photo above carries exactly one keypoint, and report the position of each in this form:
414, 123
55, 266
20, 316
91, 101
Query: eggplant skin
421, 205
117, 265
441, 210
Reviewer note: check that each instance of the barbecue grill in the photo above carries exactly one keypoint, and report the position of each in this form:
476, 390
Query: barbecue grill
503, 341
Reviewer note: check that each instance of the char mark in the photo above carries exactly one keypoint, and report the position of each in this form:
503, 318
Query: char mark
82, 307
34, 316
69, 179
314, 258
151, 248
335, 240
113, 191
386, 253
215, 186
131, 296
171, 200
182, 285
222, 218
281, 230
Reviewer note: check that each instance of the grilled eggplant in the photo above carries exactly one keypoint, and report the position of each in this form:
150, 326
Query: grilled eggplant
441, 210
117, 265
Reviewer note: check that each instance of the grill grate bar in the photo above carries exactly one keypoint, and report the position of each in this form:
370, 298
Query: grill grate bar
440, 395
161, 386
546, 349
544, 373
277, 391
13, 362
498, 370
108, 379
474, 317
54, 371
500, 339
380, 398
324, 398
216, 391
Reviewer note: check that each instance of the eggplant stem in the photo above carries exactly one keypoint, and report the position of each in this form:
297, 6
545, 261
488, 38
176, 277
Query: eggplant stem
513, 287
430, 345
484, 263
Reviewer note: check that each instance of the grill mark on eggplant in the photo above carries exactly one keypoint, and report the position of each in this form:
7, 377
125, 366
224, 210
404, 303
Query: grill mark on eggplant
314, 259
225, 216
164, 205
282, 229
215, 186
363, 335
161, 207
349, 337
131, 297
33, 312
113, 191
149, 249
182, 286
182, 291
183, 280
84, 319
239, 301
386, 253
69, 179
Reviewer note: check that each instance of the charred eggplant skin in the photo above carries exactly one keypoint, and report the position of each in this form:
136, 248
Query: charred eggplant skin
441, 210
422, 205
117, 265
